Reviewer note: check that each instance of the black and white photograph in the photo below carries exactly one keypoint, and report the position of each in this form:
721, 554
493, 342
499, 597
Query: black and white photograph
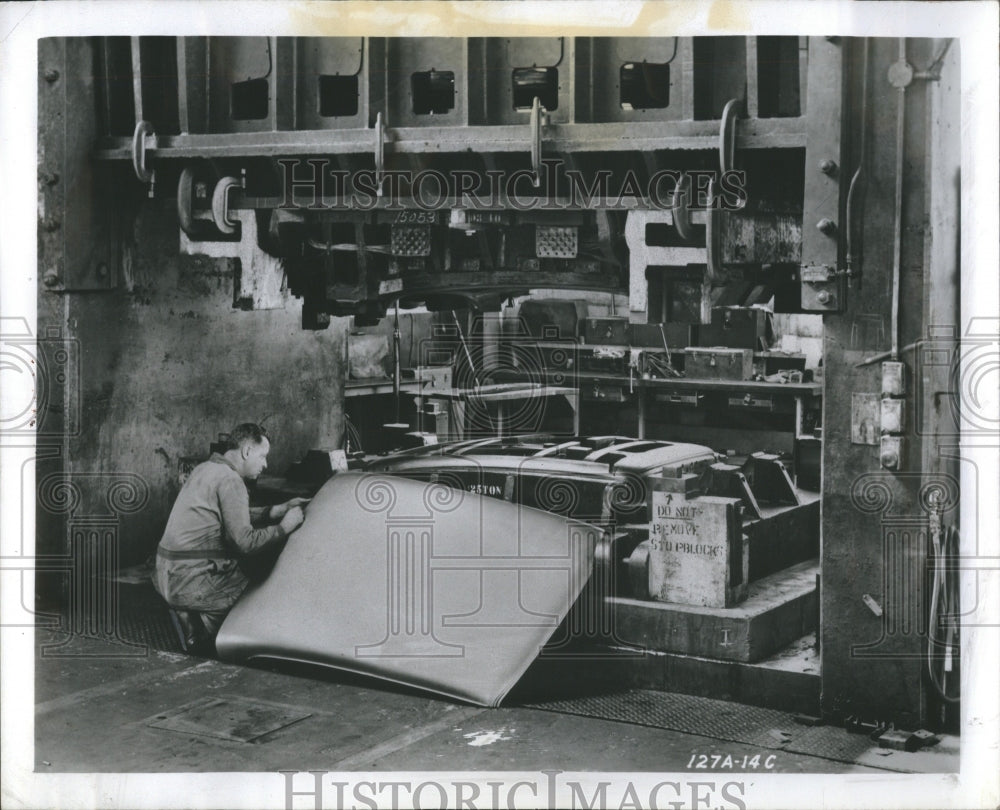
499, 404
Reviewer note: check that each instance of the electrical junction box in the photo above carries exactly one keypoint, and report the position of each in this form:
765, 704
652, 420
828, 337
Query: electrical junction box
893, 379
891, 453
892, 415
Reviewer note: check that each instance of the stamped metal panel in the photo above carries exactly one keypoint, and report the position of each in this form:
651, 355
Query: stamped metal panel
418, 584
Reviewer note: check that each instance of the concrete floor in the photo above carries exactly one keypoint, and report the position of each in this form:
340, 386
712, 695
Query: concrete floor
95, 702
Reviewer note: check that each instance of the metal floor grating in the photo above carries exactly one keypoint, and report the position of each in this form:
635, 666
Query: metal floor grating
733, 722
146, 621
139, 617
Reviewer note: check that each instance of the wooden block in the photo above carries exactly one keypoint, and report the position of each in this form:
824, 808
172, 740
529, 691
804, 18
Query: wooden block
697, 553
778, 609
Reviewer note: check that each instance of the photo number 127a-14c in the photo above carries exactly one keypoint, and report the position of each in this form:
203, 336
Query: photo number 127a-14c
730, 762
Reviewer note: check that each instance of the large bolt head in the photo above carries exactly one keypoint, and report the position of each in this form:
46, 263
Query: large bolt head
900, 74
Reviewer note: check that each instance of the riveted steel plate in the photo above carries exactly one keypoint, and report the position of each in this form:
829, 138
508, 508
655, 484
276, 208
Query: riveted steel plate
228, 718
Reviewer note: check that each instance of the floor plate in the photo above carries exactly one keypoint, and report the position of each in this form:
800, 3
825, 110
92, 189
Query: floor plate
228, 718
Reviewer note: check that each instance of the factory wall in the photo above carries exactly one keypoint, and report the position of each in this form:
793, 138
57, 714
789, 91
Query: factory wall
142, 358
164, 364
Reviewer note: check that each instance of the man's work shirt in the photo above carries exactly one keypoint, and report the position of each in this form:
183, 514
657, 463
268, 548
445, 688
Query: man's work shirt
209, 525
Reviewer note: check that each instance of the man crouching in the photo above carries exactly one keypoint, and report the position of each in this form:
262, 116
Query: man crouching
210, 526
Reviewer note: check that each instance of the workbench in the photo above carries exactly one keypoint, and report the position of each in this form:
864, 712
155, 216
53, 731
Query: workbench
381, 385
780, 406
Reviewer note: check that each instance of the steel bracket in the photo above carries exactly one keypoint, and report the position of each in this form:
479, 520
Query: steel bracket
769, 479
822, 287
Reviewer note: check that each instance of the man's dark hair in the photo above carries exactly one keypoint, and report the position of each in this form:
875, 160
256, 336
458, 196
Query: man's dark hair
245, 432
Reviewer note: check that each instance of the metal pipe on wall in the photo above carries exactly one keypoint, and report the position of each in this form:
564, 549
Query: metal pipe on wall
858, 178
900, 77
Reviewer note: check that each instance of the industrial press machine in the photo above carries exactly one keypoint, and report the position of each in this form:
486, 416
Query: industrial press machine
706, 192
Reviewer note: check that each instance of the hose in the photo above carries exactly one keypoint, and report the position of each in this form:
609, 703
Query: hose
468, 355
396, 361
944, 606
352, 438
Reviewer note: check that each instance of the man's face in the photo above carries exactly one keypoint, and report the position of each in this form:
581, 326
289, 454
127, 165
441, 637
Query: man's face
255, 458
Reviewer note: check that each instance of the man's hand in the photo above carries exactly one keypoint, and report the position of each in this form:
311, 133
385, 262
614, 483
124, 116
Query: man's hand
292, 518
279, 510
